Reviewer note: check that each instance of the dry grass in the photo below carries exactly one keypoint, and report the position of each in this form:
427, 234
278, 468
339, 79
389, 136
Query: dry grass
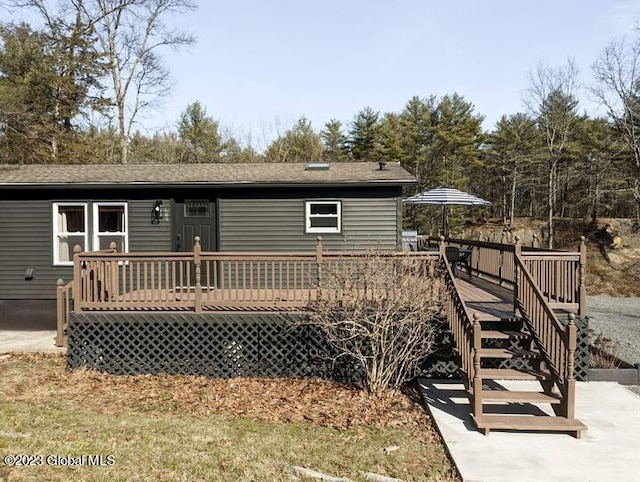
604, 352
182, 428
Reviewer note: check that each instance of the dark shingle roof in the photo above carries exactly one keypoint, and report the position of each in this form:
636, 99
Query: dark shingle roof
200, 174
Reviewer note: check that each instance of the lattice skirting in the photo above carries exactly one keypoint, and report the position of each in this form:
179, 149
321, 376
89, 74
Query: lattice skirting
215, 345
583, 352
442, 363
238, 345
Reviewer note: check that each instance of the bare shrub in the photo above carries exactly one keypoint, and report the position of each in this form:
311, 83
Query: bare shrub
379, 311
604, 352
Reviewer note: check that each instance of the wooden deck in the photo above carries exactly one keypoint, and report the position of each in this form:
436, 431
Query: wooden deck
488, 299
547, 282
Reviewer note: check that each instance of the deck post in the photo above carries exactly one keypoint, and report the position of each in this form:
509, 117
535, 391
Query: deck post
318, 267
503, 239
112, 286
582, 287
441, 246
516, 286
535, 243
61, 315
198, 281
570, 391
77, 281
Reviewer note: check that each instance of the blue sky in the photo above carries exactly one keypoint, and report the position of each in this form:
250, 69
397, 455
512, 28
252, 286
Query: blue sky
259, 65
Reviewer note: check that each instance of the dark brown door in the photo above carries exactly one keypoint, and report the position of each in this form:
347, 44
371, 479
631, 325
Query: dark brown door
194, 217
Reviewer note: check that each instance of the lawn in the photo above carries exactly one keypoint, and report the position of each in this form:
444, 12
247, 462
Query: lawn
183, 428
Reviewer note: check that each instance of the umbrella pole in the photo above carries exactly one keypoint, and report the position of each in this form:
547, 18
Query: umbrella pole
444, 219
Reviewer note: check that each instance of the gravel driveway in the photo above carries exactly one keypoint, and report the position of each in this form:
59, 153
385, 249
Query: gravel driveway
618, 319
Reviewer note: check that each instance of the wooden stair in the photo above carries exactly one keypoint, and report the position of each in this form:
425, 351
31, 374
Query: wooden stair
529, 423
515, 344
512, 374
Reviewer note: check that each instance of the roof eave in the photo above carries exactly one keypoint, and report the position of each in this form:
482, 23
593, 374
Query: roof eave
234, 184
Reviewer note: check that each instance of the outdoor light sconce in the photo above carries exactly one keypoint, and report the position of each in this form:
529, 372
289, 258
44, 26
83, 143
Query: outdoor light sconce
156, 212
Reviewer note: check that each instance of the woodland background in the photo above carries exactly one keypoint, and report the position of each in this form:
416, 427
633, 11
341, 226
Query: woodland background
73, 85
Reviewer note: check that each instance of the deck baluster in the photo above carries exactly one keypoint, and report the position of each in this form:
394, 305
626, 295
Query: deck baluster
477, 380
198, 281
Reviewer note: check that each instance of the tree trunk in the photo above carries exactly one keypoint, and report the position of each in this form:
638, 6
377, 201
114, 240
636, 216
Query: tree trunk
552, 170
636, 195
594, 204
123, 141
514, 184
504, 201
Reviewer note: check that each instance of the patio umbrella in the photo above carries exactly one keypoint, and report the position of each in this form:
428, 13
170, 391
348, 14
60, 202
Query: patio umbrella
445, 196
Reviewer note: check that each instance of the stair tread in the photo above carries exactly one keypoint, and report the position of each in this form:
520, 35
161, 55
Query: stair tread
488, 317
504, 334
529, 422
519, 397
512, 374
506, 353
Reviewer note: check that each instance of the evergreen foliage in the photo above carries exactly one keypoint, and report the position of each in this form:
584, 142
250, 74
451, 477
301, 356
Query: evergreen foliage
68, 95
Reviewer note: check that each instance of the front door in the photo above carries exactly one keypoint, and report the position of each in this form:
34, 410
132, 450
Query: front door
194, 217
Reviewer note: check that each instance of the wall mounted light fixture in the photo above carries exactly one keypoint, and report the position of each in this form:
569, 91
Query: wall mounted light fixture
156, 212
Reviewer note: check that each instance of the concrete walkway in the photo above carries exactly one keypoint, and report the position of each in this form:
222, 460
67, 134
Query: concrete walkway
28, 341
608, 450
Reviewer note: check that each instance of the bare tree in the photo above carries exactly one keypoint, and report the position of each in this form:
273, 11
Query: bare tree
379, 311
129, 34
552, 100
617, 88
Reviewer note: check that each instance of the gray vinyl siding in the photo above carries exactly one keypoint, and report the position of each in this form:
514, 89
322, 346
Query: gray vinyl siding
26, 241
144, 236
278, 225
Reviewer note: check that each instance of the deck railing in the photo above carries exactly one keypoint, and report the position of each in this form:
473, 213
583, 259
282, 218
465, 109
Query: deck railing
560, 275
197, 281
193, 280
556, 342
467, 336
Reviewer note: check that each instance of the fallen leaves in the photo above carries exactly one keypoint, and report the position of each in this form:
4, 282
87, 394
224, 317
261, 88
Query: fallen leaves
320, 402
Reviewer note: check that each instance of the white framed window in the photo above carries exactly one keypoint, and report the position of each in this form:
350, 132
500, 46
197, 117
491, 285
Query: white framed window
323, 216
110, 224
69, 229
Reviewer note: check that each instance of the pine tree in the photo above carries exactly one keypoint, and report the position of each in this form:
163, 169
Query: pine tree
298, 144
417, 129
335, 142
512, 149
200, 133
363, 134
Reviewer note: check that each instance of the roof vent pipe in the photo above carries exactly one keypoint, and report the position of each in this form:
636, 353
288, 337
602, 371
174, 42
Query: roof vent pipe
383, 166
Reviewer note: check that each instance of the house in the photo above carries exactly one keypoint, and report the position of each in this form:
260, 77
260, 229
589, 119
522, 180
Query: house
45, 210
194, 286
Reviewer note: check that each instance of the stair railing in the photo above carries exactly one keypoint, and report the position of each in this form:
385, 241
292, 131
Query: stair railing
466, 332
555, 341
